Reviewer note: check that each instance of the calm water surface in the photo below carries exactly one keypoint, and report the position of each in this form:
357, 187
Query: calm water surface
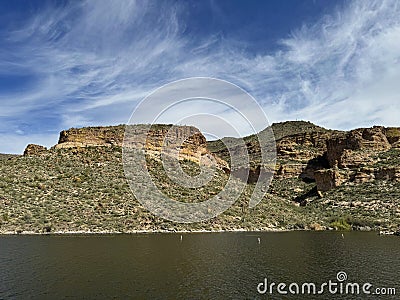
201, 266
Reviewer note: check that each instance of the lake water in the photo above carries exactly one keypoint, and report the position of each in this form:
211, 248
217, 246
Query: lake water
201, 266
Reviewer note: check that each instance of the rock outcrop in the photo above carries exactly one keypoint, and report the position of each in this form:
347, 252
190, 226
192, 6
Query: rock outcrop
91, 136
290, 170
33, 149
303, 146
352, 149
300, 148
327, 179
357, 153
330, 157
303, 149
186, 141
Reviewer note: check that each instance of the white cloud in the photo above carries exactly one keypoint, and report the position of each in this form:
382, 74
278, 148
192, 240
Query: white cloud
94, 61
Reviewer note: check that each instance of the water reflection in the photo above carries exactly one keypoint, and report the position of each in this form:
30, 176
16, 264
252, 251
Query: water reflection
200, 266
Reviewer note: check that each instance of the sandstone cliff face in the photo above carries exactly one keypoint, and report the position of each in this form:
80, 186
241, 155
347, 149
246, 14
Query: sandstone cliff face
91, 136
304, 150
357, 152
301, 154
303, 146
355, 147
156, 137
187, 141
298, 145
328, 157
327, 179
33, 149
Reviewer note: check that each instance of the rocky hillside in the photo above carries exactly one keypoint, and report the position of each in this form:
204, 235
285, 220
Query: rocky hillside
355, 172
361, 155
299, 145
328, 157
324, 179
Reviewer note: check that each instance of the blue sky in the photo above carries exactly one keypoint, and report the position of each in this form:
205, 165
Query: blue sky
70, 64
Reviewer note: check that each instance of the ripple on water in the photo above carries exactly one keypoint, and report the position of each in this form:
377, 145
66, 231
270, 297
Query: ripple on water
201, 265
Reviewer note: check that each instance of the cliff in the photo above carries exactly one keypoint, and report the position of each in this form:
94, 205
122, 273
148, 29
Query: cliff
361, 155
193, 148
91, 136
324, 179
354, 176
328, 157
304, 150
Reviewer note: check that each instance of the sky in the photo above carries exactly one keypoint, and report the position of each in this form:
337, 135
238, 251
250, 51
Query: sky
83, 63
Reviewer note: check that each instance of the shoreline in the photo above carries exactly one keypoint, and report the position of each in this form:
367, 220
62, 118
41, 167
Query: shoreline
105, 232
93, 233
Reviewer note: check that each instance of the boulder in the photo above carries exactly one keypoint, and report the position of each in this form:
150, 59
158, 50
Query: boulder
328, 179
317, 227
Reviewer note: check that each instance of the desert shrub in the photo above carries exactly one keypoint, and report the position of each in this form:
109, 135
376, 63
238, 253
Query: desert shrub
341, 224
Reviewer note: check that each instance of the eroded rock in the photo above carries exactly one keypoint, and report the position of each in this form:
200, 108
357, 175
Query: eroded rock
328, 179
33, 149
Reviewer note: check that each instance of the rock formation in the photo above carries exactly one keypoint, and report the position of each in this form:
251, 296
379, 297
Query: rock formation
91, 136
186, 141
79, 184
327, 179
358, 152
33, 149
303, 149
355, 147
328, 157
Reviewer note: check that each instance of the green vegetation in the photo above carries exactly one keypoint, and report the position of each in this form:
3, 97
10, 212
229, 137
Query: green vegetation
392, 133
292, 127
388, 158
85, 189
341, 224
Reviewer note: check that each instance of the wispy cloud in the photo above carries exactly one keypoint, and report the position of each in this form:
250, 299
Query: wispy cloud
93, 61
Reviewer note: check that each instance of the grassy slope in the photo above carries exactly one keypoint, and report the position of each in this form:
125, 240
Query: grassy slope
87, 190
